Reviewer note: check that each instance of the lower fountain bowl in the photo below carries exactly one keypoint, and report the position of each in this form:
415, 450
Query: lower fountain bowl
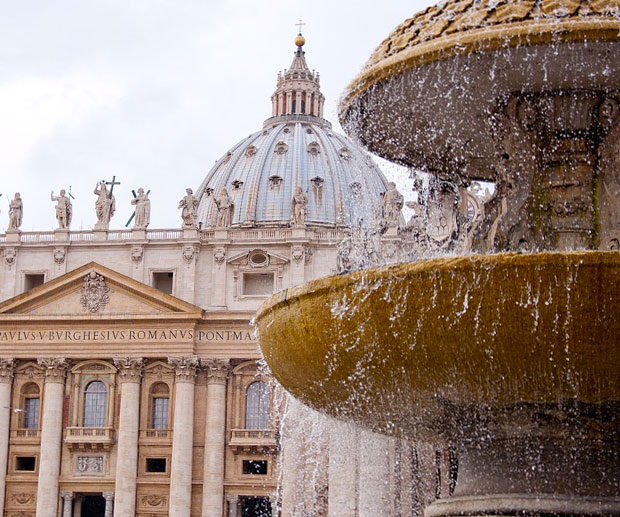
407, 348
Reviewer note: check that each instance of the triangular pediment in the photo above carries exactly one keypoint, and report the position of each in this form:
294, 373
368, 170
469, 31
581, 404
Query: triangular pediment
95, 290
248, 258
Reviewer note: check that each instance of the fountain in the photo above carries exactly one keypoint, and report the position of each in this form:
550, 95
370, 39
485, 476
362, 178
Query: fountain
510, 359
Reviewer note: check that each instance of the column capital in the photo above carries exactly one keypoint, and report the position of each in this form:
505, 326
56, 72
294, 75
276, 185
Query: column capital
217, 370
184, 367
232, 499
129, 368
108, 496
67, 496
7, 367
55, 368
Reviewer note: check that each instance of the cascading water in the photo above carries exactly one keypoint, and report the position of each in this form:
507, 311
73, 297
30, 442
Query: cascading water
508, 361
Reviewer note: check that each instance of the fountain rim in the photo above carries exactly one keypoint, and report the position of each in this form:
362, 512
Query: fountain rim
437, 264
484, 39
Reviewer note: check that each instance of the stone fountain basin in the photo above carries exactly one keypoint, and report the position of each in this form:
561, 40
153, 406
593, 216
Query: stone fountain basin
403, 348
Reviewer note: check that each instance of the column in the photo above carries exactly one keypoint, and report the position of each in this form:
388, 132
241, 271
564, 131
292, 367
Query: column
6, 380
183, 436
233, 501
51, 436
374, 474
109, 504
130, 374
343, 450
67, 500
215, 438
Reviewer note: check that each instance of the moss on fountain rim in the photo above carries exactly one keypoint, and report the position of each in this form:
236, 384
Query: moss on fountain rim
388, 346
457, 27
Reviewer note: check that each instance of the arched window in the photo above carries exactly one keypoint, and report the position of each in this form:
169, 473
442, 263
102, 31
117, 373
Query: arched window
257, 406
160, 397
95, 396
31, 397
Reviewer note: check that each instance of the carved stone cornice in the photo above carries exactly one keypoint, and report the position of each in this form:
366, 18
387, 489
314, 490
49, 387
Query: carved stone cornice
217, 370
7, 367
129, 368
184, 367
55, 368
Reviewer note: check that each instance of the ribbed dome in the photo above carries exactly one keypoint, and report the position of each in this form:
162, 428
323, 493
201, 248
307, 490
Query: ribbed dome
295, 148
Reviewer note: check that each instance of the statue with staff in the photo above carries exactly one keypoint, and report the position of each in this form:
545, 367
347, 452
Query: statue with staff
105, 206
189, 212
142, 213
64, 209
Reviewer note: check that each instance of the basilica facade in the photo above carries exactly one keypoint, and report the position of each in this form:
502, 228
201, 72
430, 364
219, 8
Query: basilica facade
130, 381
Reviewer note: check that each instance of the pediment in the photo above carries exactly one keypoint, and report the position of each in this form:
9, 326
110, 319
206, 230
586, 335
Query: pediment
94, 290
248, 258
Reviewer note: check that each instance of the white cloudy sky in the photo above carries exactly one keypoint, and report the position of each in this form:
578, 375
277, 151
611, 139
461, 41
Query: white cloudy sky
154, 91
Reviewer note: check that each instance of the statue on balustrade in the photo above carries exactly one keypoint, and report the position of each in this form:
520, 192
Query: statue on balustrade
64, 209
225, 208
189, 204
16, 212
104, 206
143, 209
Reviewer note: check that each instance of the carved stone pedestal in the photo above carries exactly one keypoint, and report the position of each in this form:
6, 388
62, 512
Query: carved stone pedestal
535, 460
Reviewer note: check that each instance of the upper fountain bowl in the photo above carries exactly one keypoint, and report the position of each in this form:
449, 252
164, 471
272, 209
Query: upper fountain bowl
426, 96
401, 348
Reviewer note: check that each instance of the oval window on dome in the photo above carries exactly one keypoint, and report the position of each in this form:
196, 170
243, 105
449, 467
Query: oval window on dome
345, 154
281, 148
237, 184
250, 151
275, 181
314, 149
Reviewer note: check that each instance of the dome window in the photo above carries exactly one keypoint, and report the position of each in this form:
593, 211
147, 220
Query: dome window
281, 148
356, 188
314, 149
227, 157
309, 131
275, 181
345, 154
317, 182
250, 151
237, 184
209, 191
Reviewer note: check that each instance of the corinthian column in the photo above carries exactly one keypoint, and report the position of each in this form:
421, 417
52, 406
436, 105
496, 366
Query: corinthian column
130, 373
215, 438
6, 380
183, 436
51, 436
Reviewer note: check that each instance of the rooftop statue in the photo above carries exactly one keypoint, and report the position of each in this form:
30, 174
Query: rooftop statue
225, 208
143, 209
16, 212
189, 204
392, 206
299, 207
64, 209
105, 205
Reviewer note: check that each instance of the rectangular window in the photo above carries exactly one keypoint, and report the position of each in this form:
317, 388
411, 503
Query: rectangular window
255, 467
160, 413
258, 284
163, 280
157, 465
32, 280
31, 413
25, 463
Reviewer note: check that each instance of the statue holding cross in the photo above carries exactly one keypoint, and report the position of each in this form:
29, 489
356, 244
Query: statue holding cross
105, 205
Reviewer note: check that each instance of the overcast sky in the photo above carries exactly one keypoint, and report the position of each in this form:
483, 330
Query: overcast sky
154, 91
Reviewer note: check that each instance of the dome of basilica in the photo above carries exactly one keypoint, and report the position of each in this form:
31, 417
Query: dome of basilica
296, 151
